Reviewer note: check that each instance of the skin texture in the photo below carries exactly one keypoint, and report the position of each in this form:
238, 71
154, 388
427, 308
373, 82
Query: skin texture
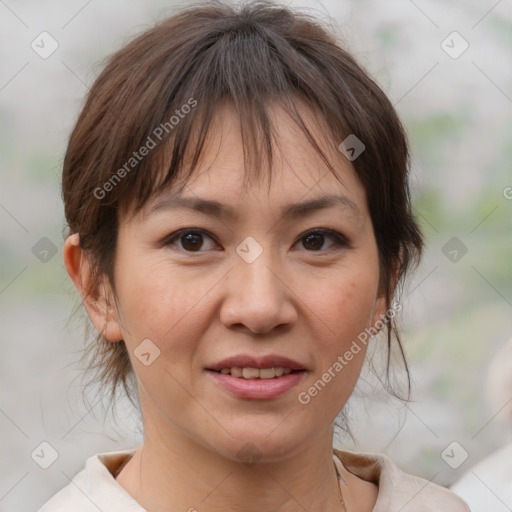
308, 300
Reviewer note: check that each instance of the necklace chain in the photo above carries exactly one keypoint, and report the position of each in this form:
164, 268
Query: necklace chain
342, 501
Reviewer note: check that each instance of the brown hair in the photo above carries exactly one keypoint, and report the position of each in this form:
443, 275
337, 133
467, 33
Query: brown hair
161, 90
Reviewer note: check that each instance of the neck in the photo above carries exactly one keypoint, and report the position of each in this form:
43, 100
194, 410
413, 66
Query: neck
183, 475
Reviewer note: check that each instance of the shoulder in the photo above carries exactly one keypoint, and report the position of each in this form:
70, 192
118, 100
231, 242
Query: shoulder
95, 488
400, 491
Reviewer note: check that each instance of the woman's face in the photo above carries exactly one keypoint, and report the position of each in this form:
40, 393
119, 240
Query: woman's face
188, 300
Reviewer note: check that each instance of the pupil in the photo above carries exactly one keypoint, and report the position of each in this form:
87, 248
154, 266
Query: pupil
314, 236
192, 241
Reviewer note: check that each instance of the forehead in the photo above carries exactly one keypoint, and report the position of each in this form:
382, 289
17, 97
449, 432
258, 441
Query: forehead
297, 172
291, 148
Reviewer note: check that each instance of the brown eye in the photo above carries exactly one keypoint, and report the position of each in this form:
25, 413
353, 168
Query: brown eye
190, 240
314, 240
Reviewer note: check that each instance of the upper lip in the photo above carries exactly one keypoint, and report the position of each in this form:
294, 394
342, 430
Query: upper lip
247, 361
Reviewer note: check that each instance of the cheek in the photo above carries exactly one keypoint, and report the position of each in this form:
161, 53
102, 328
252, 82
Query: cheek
345, 309
347, 305
169, 308
162, 303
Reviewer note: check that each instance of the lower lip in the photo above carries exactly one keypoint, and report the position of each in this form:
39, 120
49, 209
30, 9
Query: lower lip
258, 389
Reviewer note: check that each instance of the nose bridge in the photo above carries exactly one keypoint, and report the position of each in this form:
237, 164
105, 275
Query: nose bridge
259, 276
257, 296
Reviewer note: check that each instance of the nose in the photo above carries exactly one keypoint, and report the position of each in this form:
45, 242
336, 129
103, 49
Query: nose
258, 297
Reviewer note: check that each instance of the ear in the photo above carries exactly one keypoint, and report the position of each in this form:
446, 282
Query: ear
99, 301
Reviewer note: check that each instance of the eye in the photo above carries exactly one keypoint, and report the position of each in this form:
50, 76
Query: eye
314, 240
191, 240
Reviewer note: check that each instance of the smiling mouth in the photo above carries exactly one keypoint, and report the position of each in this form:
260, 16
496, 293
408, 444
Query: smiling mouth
256, 373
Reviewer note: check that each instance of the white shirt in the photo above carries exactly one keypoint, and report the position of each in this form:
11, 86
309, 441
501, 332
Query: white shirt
488, 485
95, 487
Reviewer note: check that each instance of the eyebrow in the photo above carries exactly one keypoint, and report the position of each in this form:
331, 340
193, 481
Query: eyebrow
291, 210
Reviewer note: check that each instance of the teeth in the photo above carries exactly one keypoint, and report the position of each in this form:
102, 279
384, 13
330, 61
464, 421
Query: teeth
235, 372
255, 373
251, 373
266, 373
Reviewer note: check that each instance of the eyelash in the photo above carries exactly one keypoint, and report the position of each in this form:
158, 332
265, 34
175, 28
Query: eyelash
340, 241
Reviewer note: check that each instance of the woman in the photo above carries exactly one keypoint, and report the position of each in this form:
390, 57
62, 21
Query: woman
239, 220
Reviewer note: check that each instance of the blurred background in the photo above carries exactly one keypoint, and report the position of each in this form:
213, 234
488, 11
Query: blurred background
446, 66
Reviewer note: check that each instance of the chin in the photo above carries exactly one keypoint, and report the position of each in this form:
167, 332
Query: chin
266, 444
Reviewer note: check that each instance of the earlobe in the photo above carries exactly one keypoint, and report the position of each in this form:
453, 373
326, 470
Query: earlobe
97, 298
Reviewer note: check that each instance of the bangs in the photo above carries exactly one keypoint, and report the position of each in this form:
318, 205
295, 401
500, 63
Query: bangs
176, 160
243, 65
